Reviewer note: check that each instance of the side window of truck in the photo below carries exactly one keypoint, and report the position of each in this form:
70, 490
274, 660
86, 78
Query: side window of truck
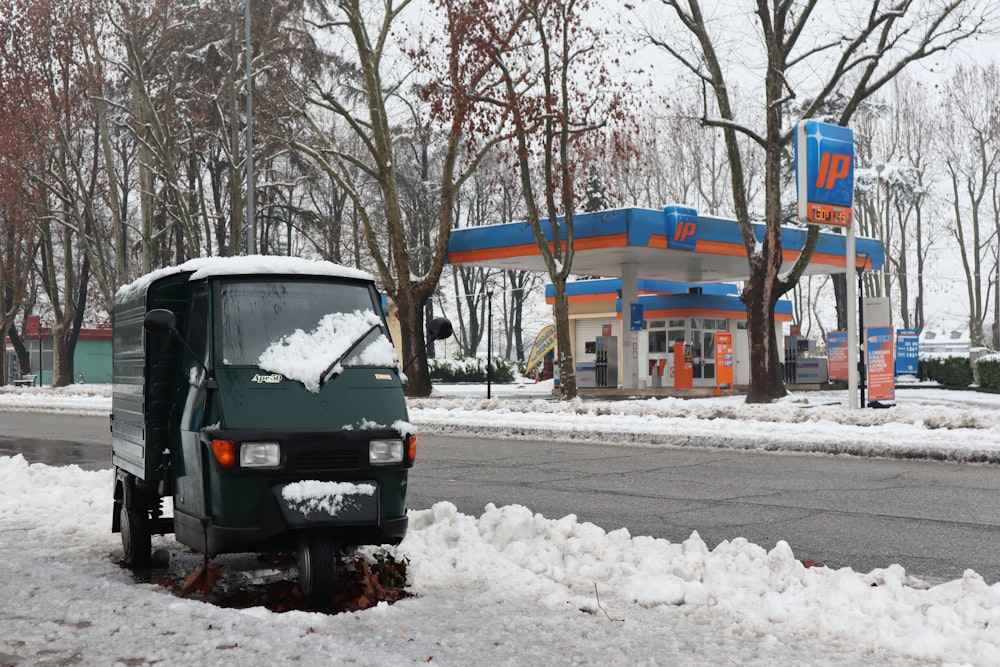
197, 332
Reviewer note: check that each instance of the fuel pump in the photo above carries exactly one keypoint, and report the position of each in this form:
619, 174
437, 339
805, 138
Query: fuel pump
683, 365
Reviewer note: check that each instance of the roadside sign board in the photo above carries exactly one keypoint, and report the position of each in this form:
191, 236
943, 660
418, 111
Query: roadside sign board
907, 351
836, 354
723, 359
824, 173
636, 317
881, 366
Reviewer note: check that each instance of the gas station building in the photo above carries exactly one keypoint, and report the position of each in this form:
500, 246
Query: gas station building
665, 313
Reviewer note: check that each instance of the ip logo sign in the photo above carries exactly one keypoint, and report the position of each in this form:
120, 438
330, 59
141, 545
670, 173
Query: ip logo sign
824, 173
682, 227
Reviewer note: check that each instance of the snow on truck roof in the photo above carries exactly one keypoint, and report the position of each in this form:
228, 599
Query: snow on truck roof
204, 267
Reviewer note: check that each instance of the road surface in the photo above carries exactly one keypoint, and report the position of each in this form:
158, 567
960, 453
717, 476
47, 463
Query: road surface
936, 519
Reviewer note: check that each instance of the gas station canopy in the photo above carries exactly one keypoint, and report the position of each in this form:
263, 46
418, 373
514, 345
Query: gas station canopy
674, 244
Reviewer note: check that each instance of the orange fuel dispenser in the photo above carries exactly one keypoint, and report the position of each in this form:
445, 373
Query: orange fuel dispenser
683, 366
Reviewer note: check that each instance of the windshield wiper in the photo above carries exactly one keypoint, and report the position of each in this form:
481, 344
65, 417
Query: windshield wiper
329, 373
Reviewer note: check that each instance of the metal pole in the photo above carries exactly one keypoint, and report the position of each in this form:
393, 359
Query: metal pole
251, 224
852, 332
862, 366
996, 307
489, 345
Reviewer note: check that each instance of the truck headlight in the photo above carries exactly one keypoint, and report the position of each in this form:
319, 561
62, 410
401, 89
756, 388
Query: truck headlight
260, 455
381, 452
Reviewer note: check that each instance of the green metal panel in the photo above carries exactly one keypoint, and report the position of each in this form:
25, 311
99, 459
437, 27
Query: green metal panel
128, 446
354, 398
92, 361
144, 373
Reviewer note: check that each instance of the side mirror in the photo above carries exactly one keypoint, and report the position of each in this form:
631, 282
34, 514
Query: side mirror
160, 320
440, 328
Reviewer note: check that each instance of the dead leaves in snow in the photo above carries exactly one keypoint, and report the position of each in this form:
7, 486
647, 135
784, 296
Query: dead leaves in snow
203, 579
361, 584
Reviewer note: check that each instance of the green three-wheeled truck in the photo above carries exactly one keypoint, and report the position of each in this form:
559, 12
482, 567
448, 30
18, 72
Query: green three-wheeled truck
263, 397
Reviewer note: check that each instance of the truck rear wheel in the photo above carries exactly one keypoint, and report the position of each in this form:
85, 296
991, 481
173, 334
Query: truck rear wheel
137, 541
317, 560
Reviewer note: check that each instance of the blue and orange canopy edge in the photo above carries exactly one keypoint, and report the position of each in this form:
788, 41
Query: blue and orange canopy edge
674, 244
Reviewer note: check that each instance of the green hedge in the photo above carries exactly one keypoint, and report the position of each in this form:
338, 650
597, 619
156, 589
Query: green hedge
471, 369
949, 371
988, 370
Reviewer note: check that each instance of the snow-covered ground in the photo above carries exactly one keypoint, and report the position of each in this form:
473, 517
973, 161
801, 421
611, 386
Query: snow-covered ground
511, 587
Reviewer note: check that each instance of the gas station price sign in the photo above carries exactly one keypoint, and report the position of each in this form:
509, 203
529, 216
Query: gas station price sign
824, 173
827, 214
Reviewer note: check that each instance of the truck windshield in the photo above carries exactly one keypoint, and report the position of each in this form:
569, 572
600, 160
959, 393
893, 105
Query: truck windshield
257, 316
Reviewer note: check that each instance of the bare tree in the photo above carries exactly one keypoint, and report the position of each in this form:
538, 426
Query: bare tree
969, 143
362, 94
64, 166
185, 107
559, 124
475, 206
23, 118
802, 54
917, 238
677, 163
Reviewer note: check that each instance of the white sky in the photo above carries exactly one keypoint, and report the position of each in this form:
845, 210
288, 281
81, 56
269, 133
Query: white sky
511, 587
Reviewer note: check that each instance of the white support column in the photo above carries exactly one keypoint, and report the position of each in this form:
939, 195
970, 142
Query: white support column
630, 295
852, 322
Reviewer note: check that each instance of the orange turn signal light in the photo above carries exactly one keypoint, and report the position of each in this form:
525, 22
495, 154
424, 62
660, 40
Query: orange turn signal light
411, 448
225, 452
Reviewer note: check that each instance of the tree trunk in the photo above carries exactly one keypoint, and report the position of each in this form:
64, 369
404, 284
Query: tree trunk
20, 349
413, 343
766, 382
61, 367
564, 341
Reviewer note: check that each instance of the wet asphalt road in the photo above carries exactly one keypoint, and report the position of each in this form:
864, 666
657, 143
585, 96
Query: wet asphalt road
57, 439
936, 519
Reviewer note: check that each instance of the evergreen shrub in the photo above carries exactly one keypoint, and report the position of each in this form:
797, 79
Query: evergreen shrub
948, 371
988, 370
471, 369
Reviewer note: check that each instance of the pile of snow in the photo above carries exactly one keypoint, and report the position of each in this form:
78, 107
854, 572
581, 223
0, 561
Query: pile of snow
926, 422
511, 587
507, 588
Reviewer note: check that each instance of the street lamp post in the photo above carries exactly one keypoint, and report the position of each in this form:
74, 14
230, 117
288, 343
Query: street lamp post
489, 344
996, 307
251, 223
862, 367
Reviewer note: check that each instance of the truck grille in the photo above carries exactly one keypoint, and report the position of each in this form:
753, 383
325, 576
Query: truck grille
328, 459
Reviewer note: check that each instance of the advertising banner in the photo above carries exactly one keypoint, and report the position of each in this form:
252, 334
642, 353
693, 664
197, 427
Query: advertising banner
881, 366
836, 354
545, 341
907, 351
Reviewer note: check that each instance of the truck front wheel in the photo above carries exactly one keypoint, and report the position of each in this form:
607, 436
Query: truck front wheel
317, 560
137, 541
